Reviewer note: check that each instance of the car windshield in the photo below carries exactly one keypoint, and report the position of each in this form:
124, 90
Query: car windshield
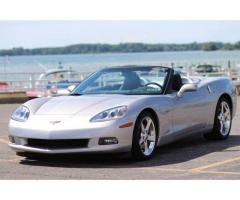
125, 80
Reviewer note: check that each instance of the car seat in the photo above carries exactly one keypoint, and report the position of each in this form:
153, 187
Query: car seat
131, 81
176, 82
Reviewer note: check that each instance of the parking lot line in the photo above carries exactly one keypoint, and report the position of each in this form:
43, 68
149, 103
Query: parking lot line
193, 172
216, 164
3, 141
221, 172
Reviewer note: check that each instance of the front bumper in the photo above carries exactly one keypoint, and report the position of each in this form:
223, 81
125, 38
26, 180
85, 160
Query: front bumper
94, 149
69, 130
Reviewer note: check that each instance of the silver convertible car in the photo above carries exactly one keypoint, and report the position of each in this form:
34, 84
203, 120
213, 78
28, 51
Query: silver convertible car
125, 109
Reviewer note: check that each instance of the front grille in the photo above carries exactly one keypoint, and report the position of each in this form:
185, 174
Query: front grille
58, 144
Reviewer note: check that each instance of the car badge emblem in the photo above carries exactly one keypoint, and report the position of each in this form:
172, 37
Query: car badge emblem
54, 122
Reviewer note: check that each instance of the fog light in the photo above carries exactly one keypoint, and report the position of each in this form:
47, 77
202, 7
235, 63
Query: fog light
11, 139
107, 141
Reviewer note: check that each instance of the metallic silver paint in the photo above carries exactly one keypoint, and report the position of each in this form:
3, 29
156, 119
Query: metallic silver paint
177, 117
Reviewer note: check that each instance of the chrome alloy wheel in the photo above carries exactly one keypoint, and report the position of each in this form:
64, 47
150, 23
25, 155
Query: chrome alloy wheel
224, 118
148, 136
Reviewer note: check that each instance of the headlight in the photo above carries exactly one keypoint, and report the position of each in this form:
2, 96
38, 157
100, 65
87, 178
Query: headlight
21, 114
110, 114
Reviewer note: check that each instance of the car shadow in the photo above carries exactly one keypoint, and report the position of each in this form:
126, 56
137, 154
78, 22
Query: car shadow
178, 152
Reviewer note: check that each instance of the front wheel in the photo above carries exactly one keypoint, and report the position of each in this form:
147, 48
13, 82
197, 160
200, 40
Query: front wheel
222, 122
144, 137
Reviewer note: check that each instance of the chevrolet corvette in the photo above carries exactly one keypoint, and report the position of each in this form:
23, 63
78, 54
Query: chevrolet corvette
125, 109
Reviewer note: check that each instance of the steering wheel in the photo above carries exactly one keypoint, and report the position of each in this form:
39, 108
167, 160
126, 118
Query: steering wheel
153, 83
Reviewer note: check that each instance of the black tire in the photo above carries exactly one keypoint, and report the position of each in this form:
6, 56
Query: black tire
136, 151
216, 133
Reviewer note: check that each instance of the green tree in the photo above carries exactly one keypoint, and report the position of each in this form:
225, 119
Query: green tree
210, 46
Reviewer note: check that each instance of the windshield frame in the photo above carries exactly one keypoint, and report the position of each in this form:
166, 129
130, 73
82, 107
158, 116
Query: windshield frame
113, 69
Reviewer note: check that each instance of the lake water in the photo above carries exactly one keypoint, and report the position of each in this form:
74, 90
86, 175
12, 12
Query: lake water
92, 62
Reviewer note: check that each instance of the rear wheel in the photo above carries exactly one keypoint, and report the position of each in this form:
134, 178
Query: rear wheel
144, 137
222, 121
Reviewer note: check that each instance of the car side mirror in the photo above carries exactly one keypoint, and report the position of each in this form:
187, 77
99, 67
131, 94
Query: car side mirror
71, 88
189, 87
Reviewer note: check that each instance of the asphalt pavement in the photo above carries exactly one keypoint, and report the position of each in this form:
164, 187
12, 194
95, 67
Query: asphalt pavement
191, 158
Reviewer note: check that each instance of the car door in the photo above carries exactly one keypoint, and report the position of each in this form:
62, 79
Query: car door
189, 112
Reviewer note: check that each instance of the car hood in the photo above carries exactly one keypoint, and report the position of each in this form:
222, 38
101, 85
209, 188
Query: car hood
70, 105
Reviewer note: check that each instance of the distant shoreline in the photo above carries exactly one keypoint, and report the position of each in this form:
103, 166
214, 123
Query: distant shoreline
121, 48
106, 53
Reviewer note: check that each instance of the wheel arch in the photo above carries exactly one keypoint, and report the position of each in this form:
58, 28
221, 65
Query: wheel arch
215, 133
228, 97
154, 114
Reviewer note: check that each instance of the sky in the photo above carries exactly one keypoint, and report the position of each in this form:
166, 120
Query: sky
32, 34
